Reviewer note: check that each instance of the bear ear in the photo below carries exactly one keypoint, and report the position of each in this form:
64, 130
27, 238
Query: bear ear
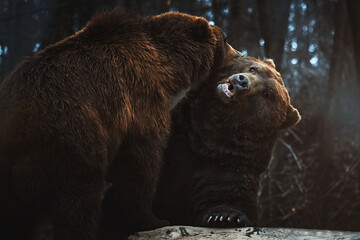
292, 117
270, 62
201, 30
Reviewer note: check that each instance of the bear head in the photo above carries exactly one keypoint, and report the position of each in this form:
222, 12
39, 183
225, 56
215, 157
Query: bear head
257, 89
202, 47
243, 106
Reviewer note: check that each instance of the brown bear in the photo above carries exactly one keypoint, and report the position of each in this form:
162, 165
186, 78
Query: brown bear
95, 108
221, 141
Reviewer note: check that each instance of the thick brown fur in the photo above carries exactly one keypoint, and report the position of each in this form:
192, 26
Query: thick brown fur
94, 108
220, 145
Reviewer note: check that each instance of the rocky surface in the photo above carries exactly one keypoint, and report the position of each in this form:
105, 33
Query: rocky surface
192, 233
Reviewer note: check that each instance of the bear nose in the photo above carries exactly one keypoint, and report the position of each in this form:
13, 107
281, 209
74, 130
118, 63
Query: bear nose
240, 82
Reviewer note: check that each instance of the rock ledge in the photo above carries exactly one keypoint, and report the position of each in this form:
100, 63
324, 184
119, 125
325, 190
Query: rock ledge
249, 233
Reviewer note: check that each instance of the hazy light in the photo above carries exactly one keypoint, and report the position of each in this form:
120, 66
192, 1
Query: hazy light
211, 22
294, 46
312, 48
314, 61
294, 61
250, 10
291, 27
303, 8
262, 42
226, 11
3, 52
292, 6
207, 2
311, 25
305, 28
244, 52
36, 48
286, 45
291, 15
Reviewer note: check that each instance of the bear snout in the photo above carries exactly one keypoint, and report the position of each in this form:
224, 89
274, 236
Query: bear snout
240, 82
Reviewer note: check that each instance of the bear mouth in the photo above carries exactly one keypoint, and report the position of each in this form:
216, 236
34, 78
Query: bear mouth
226, 90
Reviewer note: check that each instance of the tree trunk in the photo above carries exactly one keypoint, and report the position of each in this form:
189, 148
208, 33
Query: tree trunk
71, 15
326, 168
234, 35
19, 43
216, 9
273, 17
61, 23
353, 7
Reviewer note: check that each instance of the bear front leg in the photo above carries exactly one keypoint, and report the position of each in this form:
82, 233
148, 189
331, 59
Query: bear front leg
224, 198
78, 207
134, 174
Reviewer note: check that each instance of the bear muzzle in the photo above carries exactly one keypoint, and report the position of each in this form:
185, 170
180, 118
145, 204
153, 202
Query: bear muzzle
234, 85
239, 82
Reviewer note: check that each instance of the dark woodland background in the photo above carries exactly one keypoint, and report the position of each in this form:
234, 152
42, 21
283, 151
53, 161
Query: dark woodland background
313, 180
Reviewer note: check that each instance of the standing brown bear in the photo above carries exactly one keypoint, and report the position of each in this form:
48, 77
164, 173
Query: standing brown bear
222, 138
93, 108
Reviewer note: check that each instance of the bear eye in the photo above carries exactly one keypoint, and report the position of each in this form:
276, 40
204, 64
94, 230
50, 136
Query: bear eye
252, 70
265, 94
268, 95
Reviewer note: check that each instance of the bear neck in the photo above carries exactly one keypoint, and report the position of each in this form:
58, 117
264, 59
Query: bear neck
246, 150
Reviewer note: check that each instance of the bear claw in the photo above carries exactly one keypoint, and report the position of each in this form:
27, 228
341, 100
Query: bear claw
243, 221
232, 220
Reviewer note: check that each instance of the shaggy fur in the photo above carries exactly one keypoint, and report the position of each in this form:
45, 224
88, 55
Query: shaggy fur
94, 108
221, 144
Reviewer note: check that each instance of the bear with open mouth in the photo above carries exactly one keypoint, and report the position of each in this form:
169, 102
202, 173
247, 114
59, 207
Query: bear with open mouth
222, 139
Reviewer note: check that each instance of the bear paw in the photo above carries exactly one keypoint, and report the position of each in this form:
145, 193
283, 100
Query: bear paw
225, 219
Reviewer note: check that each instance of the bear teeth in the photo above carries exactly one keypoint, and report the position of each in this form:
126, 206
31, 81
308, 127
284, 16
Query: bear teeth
225, 88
